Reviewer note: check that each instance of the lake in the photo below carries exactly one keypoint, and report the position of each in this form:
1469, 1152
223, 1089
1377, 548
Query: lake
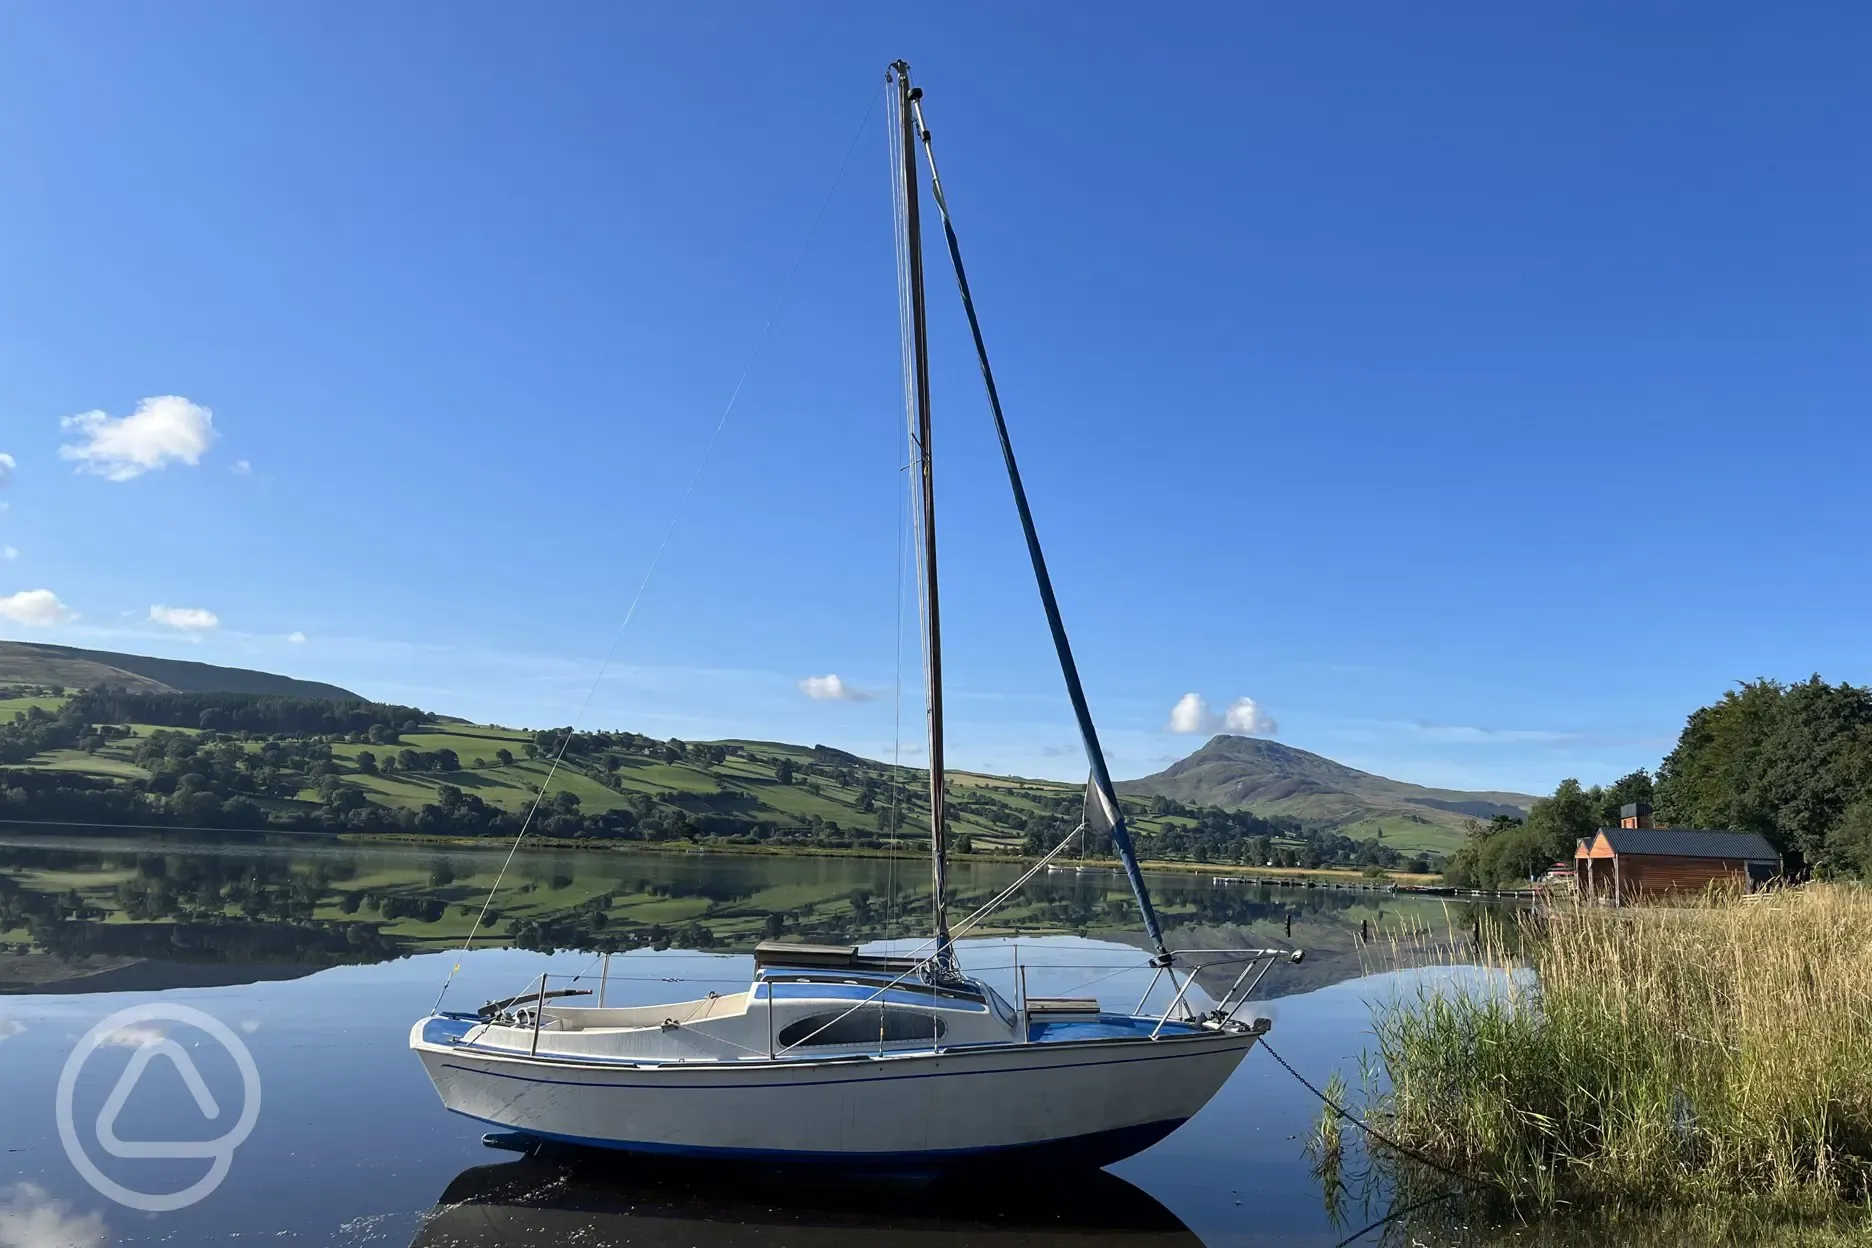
319, 955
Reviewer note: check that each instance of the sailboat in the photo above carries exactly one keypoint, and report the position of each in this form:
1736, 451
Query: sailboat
838, 1056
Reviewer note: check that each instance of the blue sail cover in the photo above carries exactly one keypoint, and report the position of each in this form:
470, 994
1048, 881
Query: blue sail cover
1104, 815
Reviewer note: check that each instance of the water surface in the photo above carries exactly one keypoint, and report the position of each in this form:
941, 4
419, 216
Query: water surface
352, 1147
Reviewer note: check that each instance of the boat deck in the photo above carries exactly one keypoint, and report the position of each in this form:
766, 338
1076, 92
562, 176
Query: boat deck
453, 1029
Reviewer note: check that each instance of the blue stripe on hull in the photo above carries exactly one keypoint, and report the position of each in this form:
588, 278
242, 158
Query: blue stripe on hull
1084, 1151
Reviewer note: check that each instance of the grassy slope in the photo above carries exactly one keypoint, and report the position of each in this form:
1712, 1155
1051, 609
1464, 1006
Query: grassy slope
29, 663
740, 783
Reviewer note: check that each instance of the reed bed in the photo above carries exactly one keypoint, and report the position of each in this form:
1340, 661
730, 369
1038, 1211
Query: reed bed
1709, 1049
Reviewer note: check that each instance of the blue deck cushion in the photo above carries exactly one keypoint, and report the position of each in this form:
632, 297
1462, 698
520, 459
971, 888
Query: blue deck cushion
1103, 1027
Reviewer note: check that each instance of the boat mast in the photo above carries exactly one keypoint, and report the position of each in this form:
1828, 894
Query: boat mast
907, 97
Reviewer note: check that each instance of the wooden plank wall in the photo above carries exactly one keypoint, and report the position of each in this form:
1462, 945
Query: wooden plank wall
1660, 873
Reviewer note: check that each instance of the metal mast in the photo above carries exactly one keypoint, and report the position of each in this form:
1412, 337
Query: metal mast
907, 96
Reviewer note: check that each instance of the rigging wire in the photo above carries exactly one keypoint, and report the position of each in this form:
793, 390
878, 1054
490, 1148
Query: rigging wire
893, 134
682, 506
961, 929
1100, 780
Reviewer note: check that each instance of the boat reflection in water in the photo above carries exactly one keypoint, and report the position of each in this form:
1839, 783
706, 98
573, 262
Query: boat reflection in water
596, 1200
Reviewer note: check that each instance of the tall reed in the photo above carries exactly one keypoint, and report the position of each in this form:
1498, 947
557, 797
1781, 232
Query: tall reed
1713, 1048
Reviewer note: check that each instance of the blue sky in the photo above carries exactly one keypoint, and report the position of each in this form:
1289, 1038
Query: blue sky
1476, 390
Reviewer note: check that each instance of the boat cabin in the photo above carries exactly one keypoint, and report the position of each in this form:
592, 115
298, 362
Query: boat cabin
1637, 860
807, 1002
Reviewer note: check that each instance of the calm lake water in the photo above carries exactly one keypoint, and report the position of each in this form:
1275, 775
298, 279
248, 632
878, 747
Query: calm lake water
321, 982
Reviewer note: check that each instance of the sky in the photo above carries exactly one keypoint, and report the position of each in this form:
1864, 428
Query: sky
1466, 393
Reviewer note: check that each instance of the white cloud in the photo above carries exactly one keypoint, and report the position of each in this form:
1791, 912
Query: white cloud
1191, 714
188, 619
36, 608
1245, 717
30, 1217
830, 688
135, 1036
241, 468
7, 465
163, 429
296, 637
8, 553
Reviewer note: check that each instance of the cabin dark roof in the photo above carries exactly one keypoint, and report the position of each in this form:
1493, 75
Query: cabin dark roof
1690, 843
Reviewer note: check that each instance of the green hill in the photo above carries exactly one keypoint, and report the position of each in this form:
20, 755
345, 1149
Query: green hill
28, 663
109, 757
1268, 778
109, 739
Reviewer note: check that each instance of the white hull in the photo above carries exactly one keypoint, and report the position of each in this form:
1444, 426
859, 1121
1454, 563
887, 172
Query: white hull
1091, 1100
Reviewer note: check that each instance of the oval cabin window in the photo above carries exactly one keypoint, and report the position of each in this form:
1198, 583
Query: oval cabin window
861, 1027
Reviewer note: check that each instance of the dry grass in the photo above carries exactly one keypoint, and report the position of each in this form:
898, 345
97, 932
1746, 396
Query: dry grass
1714, 1049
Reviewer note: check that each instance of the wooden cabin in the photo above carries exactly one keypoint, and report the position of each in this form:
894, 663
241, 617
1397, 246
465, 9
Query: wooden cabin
1636, 860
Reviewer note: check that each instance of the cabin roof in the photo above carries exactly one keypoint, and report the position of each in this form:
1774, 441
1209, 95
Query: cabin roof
1690, 843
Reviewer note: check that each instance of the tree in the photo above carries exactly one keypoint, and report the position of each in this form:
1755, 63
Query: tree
1557, 824
783, 770
504, 756
1789, 762
1636, 786
366, 763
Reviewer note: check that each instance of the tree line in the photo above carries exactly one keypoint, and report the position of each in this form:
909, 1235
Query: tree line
1790, 761
245, 712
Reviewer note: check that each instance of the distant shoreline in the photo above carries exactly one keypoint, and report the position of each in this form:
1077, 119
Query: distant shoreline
537, 843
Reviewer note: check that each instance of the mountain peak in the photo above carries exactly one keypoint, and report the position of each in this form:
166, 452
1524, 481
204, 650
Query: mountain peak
1272, 778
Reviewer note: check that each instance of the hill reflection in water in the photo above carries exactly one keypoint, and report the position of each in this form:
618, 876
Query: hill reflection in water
112, 914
